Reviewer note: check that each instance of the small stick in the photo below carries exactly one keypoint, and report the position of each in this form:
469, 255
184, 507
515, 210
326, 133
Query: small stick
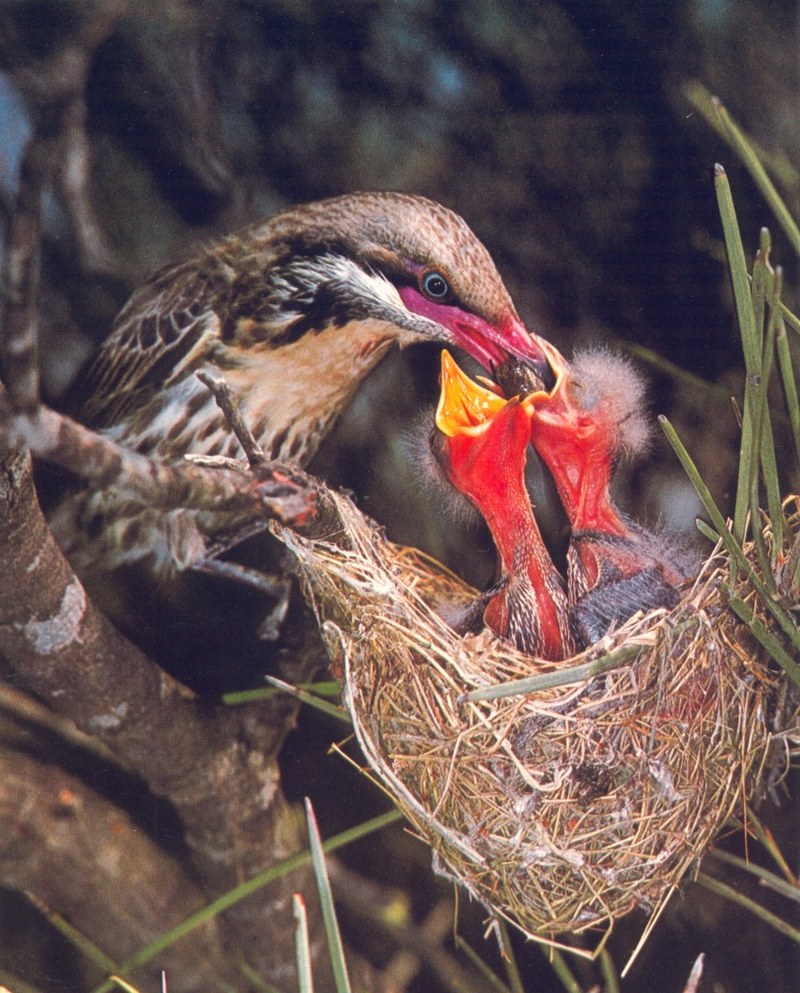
226, 402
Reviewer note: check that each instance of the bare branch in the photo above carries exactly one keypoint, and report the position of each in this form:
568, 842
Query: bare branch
54, 89
279, 491
19, 280
227, 404
95, 252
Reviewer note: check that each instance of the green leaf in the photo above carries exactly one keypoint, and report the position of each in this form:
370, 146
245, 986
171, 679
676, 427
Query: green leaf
716, 114
324, 706
335, 946
732, 547
789, 383
75, 937
751, 343
755, 908
790, 890
764, 637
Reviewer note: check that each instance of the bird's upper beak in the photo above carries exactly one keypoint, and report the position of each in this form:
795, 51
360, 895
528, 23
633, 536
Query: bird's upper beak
488, 343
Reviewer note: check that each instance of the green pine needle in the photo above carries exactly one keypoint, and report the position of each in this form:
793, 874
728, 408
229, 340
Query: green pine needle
75, 937
734, 896
558, 677
302, 946
335, 946
752, 157
732, 547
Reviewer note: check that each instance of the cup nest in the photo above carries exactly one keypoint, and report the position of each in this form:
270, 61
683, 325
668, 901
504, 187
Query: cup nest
561, 810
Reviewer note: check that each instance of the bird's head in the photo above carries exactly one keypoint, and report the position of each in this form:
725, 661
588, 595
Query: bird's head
485, 441
402, 260
581, 427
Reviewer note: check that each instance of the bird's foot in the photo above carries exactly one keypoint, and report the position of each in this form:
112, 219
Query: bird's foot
275, 586
282, 490
286, 492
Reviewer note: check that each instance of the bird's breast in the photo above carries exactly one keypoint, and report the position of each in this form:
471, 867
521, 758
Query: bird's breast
291, 394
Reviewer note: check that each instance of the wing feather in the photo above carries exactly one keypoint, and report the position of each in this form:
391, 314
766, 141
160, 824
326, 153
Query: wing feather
167, 326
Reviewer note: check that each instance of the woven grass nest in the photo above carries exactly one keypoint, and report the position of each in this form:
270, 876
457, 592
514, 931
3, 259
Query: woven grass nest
564, 809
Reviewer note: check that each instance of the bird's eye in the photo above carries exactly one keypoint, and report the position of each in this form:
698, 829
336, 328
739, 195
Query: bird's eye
435, 286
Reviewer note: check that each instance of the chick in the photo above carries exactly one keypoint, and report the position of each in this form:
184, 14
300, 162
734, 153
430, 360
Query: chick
593, 417
483, 456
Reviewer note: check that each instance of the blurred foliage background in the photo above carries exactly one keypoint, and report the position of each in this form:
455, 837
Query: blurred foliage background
560, 130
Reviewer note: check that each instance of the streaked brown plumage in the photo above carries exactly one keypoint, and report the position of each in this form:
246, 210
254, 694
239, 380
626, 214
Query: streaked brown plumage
295, 312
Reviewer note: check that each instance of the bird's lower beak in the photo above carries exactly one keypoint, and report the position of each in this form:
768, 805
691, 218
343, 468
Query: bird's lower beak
464, 405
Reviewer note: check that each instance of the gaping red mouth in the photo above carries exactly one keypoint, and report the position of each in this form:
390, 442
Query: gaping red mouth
464, 405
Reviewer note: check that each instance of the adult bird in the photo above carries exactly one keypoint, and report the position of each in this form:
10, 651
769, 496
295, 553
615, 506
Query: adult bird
295, 312
591, 418
486, 438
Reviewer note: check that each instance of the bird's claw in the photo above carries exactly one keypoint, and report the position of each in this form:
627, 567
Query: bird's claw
287, 494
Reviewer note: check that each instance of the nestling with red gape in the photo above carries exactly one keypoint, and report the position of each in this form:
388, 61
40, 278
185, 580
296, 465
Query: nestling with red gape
486, 438
592, 417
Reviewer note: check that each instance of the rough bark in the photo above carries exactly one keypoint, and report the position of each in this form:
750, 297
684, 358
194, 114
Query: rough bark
69, 848
218, 767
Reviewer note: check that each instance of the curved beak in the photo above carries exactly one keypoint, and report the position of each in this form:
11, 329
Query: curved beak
490, 344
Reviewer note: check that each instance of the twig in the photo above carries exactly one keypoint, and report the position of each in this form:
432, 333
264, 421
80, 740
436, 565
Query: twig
281, 491
95, 253
227, 404
54, 89
20, 277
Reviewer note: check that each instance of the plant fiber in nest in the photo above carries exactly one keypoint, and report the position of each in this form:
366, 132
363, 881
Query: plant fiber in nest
564, 809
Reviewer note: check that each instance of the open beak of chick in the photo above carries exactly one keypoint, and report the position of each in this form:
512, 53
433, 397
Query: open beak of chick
486, 439
593, 415
573, 436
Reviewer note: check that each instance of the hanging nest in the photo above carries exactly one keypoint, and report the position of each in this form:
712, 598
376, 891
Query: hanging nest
563, 809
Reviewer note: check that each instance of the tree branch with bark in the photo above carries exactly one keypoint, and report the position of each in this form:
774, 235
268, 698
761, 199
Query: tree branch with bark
216, 766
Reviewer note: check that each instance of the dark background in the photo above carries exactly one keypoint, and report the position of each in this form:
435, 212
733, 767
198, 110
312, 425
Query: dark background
561, 132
